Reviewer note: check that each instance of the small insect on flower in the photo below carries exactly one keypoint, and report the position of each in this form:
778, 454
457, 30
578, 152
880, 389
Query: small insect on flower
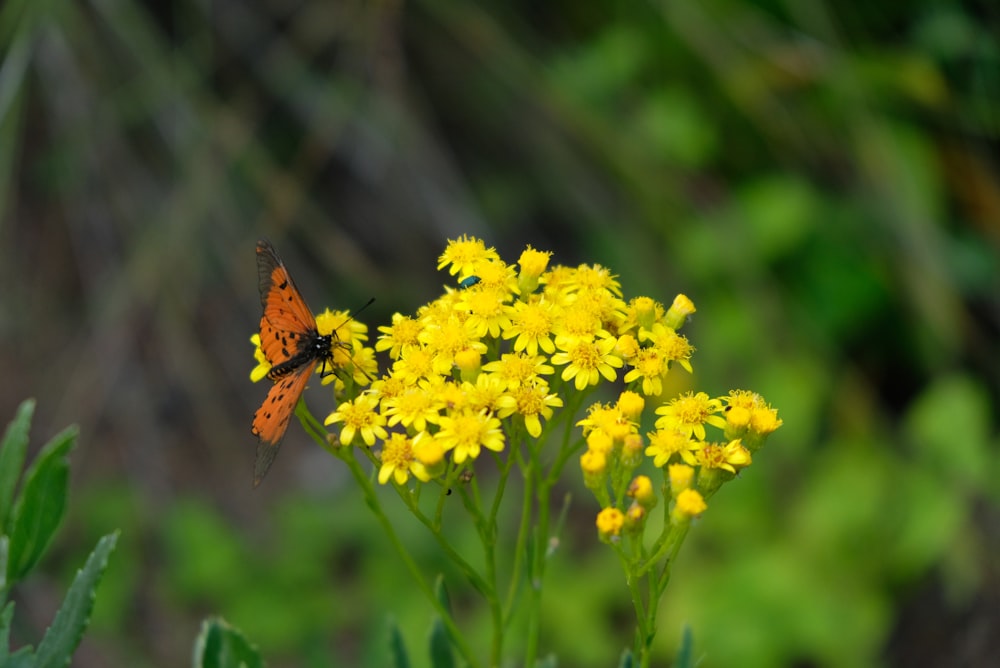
468, 282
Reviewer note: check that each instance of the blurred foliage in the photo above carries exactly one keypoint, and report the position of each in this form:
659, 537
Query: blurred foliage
820, 178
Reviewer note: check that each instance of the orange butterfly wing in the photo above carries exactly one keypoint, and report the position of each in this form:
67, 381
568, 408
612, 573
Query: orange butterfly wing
273, 416
286, 318
285, 325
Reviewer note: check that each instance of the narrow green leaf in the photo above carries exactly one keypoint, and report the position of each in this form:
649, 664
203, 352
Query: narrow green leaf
61, 639
13, 450
685, 653
40, 505
398, 658
220, 645
441, 592
442, 655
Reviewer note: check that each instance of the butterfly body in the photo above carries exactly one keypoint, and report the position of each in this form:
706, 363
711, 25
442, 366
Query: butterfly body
292, 344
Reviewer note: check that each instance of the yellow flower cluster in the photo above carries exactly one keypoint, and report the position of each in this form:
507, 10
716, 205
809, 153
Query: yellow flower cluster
496, 356
693, 467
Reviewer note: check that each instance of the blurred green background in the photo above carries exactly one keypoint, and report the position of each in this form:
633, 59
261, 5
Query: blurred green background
822, 179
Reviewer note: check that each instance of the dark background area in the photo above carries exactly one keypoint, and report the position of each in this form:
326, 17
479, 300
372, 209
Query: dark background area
820, 178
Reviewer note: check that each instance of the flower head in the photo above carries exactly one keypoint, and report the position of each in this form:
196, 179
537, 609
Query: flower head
465, 432
359, 416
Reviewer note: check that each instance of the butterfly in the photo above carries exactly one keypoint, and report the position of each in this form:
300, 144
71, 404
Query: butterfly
292, 344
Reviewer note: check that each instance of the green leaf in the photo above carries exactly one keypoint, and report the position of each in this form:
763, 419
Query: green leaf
61, 639
397, 648
441, 652
40, 505
220, 645
685, 653
13, 449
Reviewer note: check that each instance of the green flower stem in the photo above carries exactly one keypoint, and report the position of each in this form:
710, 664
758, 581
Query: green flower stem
371, 499
315, 429
522, 537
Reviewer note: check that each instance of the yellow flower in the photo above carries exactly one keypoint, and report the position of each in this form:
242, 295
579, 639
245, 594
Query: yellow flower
600, 441
533, 402
730, 457
670, 345
531, 326
414, 365
679, 311
414, 407
650, 366
689, 413
630, 405
681, 477
594, 465
641, 489
688, 504
486, 392
533, 262
343, 324
665, 443
359, 416
599, 416
609, 523
398, 336
465, 432
487, 311
463, 254
517, 369
444, 338
643, 311
588, 361
263, 366
398, 461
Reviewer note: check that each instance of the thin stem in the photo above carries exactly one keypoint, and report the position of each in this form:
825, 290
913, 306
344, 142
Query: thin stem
371, 499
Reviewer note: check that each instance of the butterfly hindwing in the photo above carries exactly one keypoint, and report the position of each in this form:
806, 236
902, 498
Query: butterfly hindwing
272, 418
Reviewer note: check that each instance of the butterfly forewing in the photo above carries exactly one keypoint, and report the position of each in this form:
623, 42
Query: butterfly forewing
286, 318
292, 345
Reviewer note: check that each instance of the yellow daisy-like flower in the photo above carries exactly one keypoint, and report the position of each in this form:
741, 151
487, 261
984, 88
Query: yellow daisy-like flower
412, 408
649, 366
465, 432
531, 326
485, 393
359, 416
444, 338
463, 254
398, 461
665, 443
533, 402
588, 361
398, 336
517, 369
343, 324
263, 366
415, 365
487, 311
670, 345
689, 413
730, 457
